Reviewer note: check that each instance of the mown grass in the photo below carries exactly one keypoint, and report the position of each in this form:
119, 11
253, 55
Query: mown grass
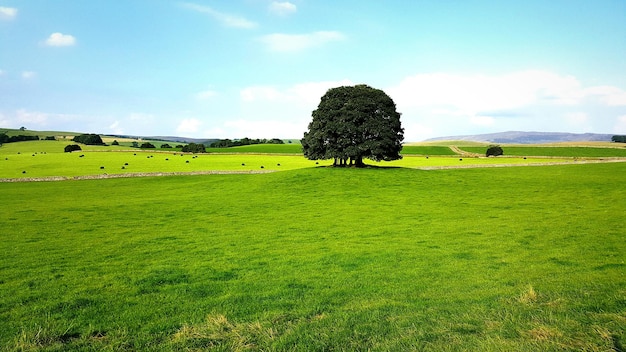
427, 150
46, 159
524, 259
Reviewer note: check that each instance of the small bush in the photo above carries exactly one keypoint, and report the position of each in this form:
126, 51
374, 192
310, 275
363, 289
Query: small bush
72, 147
494, 150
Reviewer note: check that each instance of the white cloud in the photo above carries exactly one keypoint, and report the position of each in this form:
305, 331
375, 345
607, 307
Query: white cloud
453, 104
576, 118
7, 13
256, 93
189, 126
25, 117
115, 128
28, 74
470, 95
60, 39
482, 120
263, 129
205, 95
612, 96
620, 125
141, 117
308, 93
477, 95
282, 8
280, 42
224, 18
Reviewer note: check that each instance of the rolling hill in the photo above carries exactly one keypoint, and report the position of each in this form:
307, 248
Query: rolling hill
520, 137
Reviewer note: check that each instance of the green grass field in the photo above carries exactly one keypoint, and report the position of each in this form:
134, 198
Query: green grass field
310, 258
568, 151
34, 159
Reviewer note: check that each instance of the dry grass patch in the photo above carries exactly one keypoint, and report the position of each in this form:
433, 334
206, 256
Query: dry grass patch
529, 296
218, 331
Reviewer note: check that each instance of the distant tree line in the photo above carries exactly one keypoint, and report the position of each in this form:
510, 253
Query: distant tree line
619, 138
4, 138
88, 139
227, 143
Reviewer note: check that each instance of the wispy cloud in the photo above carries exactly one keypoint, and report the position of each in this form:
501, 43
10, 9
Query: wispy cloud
620, 125
470, 95
189, 126
282, 8
227, 20
28, 74
7, 13
60, 39
307, 93
205, 95
531, 99
280, 42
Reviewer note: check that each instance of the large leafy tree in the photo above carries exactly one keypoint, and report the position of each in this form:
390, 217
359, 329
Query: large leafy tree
352, 123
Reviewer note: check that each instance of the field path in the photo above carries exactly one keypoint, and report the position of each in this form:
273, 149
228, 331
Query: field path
464, 153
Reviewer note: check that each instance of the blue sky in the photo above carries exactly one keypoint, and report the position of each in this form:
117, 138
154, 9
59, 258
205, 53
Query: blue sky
257, 68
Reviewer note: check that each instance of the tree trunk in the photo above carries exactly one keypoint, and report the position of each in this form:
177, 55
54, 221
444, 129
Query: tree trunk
359, 161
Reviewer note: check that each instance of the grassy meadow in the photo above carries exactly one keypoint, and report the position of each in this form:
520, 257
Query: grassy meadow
312, 258
616, 150
34, 159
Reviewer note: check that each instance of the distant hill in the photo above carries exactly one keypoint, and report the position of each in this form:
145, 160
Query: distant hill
519, 137
168, 139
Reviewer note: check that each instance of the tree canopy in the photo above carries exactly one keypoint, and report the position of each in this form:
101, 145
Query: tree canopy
618, 138
494, 150
89, 139
352, 123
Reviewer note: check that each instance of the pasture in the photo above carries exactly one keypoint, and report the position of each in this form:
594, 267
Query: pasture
35, 159
314, 258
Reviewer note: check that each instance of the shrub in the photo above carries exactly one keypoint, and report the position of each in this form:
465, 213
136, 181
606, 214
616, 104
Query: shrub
494, 150
147, 145
115, 142
72, 147
165, 146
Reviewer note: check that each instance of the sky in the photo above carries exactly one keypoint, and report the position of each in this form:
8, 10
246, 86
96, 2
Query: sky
258, 68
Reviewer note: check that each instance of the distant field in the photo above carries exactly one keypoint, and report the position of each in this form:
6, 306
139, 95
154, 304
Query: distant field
427, 150
557, 151
41, 134
317, 259
261, 148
